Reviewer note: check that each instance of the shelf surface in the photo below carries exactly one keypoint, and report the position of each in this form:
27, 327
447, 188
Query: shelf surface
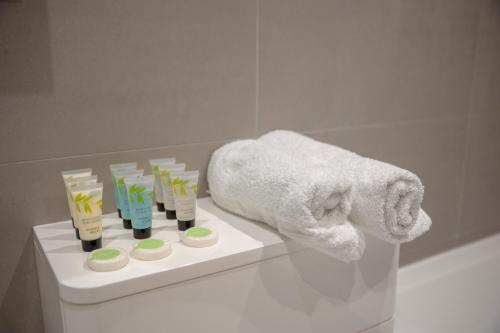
241, 242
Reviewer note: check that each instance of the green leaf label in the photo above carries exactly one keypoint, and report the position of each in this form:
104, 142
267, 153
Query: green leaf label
164, 176
84, 202
137, 192
121, 184
179, 186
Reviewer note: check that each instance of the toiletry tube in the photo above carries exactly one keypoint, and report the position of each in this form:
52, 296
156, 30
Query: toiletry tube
71, 184
185, 187
166, 186
140, 197
70, 174
119, 166
119, 177
157, 182
88, 209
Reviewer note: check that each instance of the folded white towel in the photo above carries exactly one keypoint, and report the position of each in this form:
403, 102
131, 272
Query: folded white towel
385, 199
308, 204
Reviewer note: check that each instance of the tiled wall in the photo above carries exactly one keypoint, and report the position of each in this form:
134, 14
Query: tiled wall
89, 83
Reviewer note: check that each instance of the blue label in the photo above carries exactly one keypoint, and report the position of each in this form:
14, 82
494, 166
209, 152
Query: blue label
124, 204
141, 208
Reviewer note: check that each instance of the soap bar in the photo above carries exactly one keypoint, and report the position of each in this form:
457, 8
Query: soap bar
107, 259
199, 237
151, 249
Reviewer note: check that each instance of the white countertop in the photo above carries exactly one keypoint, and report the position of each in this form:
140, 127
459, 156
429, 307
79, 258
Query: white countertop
241, 242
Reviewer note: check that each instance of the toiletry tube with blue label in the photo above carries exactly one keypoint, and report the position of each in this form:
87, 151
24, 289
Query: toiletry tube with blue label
119, 177
120, 166
88, 209
166, 186
140, 198
70, 174
72, 184
185, 187
155, 167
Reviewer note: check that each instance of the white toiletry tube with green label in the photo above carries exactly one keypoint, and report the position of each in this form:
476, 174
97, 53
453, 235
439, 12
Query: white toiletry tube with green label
185, 187
155, 167
70, 174
88, 209
72, 184
119, 166
166, 186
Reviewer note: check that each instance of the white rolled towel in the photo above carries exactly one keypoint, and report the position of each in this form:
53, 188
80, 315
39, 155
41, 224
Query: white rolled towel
385, 199
308, 204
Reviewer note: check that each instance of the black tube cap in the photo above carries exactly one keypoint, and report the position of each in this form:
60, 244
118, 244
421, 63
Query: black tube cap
142, 233
184, 225
77, 232
92, 245
127, 224
119, 213
160, 206
171, 214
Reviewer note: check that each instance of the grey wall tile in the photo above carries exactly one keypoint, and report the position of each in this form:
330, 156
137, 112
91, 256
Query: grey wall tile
327, 64
24, 35
431, 149
125, 75
481, 199
36, 196
20, 309
486, 84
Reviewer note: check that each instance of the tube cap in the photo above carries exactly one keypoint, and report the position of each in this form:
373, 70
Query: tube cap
142, 233
127, 224
171, 214
91, 245
107, 259
119, 213
199, 237
184, 225
151, 249
160, 206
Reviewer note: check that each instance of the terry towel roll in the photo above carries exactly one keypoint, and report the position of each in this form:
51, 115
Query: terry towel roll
385, 199
308, 204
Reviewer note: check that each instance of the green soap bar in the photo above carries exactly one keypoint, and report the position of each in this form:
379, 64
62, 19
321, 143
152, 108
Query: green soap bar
107, 259
198, 232
104, 254
150, 244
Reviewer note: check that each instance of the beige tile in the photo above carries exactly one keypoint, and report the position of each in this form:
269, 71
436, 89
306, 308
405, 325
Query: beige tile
34, 194
124, 75
486, 86
482, 183
327, 64
431, 149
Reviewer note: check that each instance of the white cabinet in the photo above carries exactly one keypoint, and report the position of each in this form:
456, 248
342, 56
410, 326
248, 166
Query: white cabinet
253, 280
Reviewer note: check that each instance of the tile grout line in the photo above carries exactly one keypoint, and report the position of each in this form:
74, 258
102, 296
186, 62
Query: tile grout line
468, 128
376, 125
315, 131
145, 149
257, 64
